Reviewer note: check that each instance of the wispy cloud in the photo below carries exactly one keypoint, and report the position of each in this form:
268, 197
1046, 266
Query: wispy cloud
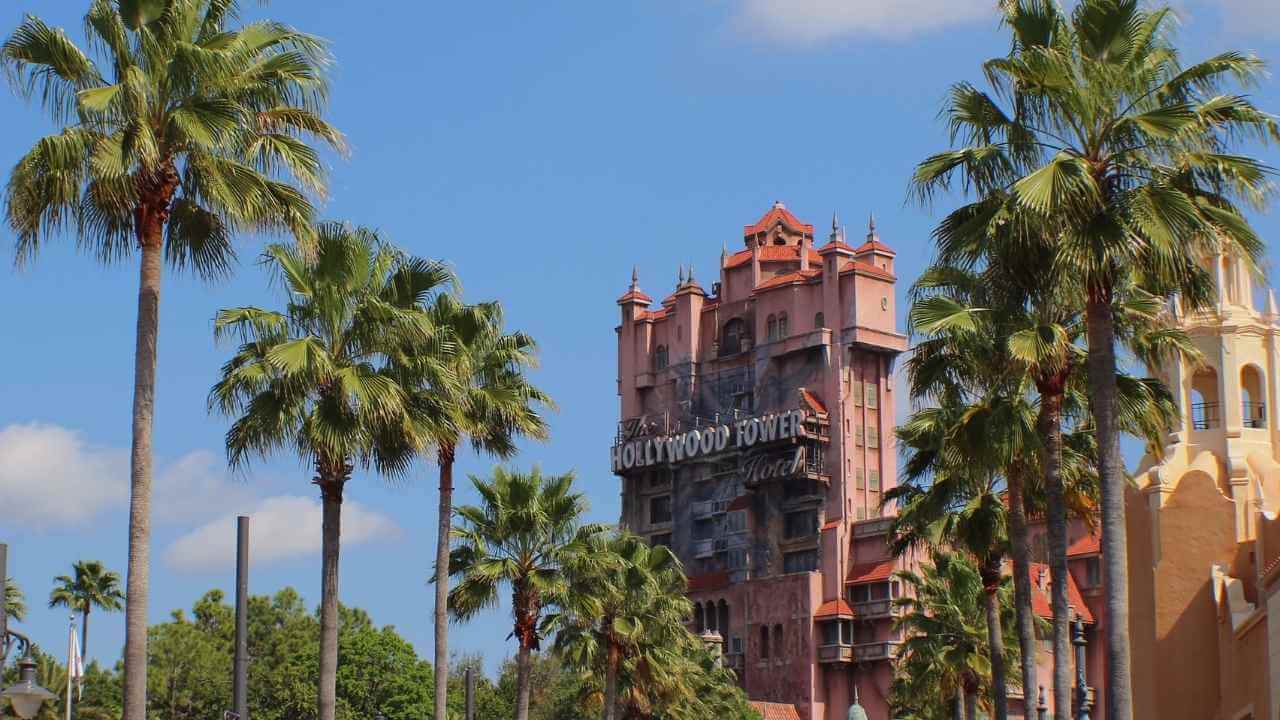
809, 21
281, 528
56, 477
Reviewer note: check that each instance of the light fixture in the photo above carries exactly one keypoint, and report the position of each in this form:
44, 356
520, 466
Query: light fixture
26, 696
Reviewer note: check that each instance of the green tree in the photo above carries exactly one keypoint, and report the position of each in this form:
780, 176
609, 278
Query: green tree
485, 399
316, 380
179, 131
93, 585
525, 533
944, 665
15, 604
1123, 157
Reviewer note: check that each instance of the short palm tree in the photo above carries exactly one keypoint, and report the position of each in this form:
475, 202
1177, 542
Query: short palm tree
618, 608
486, 400
316, 379
944, 666
91, 585
1122, 156
179, 130
525, 534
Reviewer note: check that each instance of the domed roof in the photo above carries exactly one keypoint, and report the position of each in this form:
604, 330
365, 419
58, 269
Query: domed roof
855, 710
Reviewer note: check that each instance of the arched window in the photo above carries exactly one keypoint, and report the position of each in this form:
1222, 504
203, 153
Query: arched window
1254, 408
722, 623
782, 326
764, 642
1204, 399
698, 623
771, 328
819, 321
731, 337
660, 357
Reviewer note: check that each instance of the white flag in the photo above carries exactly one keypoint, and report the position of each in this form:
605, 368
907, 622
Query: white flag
75, 663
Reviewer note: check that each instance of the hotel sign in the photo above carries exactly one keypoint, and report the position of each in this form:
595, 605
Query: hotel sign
710, 440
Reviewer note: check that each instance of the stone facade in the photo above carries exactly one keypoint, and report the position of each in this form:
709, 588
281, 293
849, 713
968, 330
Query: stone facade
756, 440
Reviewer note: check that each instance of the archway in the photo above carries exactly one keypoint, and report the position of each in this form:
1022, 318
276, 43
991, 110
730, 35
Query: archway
1205, 411
1253, 397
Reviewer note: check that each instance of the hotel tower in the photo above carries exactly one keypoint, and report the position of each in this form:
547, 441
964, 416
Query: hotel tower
756, 440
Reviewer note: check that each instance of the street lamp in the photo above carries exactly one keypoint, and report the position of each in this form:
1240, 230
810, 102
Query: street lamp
26, 696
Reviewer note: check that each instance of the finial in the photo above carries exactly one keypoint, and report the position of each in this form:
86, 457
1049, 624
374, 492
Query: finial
835, 226
777, 205
635, 277
871, 227
680, 281
690, 273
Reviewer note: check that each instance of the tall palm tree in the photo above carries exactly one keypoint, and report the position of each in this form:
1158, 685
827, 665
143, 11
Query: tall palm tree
93, 585
485, 400
524, 534
316, 378
1123, 157
15, 604
944, 665
618, 608
178, 131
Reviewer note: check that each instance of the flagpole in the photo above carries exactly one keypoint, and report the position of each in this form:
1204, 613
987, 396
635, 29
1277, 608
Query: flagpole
71, 660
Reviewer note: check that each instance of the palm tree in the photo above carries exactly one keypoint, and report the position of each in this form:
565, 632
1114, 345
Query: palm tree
178, 131
316, 379
484, 399
1122, 157
92, 586
525, 534
15, 605
620, 607
944, 664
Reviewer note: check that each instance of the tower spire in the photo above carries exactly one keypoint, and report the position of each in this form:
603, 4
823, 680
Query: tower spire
635, 277
835, 226
871, 228
691, 281
680, 279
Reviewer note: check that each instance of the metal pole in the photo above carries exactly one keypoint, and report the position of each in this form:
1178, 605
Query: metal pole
471, 693
240, 681
1042, 707
1082, 687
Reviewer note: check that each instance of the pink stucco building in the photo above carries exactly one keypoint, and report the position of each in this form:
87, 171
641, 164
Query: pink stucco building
756, 440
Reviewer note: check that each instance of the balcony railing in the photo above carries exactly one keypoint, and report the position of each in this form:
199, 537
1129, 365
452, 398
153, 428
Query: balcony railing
871, 528
882, 650
707, 508
1254, 414
704, 548
835, 653
875, 609
1205, 416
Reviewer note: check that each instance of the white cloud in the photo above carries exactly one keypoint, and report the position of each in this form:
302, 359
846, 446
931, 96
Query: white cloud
802, 21
53, 477
195, 487
280, 528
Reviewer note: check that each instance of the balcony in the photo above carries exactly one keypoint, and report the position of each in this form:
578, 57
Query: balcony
1205, 416
871, 528
875, 609
707, 508
835, 654
1254, 414
874, 651
704, 548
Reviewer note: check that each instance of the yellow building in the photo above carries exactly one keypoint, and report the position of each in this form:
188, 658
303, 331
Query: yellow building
1204, 538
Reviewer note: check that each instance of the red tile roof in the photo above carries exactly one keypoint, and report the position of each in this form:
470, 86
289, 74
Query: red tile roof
834, 608
772, 253
775, 711
813, 401
776, 213
875, 245
634, 294
870, 572
1090, 544
831, 525
709, 581
867, 268
794, 277
1041, 600
833, 246
654, 314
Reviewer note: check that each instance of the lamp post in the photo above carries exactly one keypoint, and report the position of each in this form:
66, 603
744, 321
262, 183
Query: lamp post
26, 696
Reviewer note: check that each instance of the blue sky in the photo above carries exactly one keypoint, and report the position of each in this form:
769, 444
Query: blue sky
543, 151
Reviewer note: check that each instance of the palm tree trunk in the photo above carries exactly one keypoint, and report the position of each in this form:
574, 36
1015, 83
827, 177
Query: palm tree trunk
1050, 422
995, 638
971, 704
84, 633
522, 681
331, 532
444, 524
1022, 586
611, 684
958, 710
1115, 552
144, 390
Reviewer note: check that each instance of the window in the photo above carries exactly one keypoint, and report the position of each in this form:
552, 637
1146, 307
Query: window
698, 623
873, 480
731, 338
659, 509
663, 539
777, 641
771, 328
764, 642
858, 481
873, 396
659, 479
736, 559
857, 393
873, 436
736, 521
819, 321
660, 357
857, 435
802, 561
735, 645
859, 594
1093, 571
831, 633
800, 524
782, 326
860, 513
